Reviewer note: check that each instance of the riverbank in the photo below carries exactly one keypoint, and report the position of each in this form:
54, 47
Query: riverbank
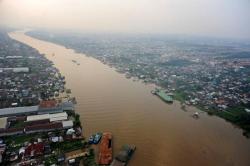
38, 124
235, 115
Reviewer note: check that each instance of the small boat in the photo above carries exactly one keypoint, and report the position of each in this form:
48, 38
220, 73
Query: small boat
68, 91
124, 155
183, 106
128, 76
97, 138
153, 92
196, 115
91, 139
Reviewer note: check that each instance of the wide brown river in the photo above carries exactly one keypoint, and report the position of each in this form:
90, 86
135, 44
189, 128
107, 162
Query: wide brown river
165, 135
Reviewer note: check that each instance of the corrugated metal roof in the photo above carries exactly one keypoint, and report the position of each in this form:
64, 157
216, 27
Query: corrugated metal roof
68, 123
37, 117
18, 110
52, 117
60, 118
49, 110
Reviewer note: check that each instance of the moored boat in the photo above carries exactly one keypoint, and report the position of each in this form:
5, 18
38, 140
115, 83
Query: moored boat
105, 151
164, 96
124, 155
91, 139
97, 138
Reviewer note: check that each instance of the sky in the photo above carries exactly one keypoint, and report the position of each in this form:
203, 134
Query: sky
216, 18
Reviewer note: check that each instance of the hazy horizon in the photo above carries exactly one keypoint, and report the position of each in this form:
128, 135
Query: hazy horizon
212, 18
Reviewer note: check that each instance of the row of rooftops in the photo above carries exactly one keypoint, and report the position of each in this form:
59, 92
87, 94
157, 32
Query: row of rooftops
26, 76
44, 107
34, 123
51, 117
15, 69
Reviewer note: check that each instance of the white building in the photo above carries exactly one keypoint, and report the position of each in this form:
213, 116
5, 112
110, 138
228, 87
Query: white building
67, 124
52, 117
15, 70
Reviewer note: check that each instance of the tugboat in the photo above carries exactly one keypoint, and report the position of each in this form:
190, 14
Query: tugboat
124, 155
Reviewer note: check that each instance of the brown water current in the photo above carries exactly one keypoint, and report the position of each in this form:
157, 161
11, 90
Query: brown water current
164, 134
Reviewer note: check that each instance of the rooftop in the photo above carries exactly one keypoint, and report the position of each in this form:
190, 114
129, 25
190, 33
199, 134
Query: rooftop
51, 117
3, 122
18, 110
48, 103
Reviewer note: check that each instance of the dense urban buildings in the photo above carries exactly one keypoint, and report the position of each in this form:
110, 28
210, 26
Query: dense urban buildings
38, 125
24, 81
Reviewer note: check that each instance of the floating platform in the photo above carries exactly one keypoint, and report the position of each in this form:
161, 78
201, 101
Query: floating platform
164, 96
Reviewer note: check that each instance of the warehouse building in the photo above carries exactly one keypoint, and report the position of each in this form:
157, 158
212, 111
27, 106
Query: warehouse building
52, 117
18, 110
15, 69
44, 108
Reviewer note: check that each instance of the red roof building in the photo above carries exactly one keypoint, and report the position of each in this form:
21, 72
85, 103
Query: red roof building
34, 149
48, 104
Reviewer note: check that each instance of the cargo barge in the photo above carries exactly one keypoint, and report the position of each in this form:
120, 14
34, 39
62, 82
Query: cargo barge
105, 151
124, 155
163, 95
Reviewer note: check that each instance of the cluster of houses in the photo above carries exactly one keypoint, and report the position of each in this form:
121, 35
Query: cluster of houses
33, 115
47, 118
26, 76
216, 84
